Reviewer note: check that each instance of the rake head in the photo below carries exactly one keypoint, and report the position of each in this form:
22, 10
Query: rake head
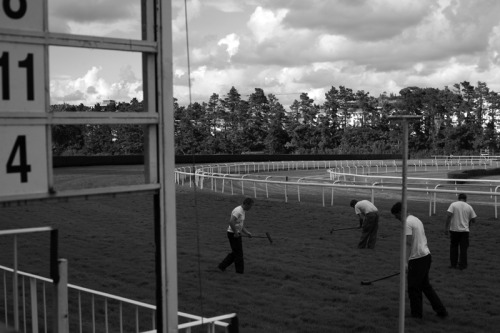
269, 237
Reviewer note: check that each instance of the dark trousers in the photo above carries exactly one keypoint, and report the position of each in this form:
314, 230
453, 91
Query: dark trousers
369, 233
418, 283
236, 254
459, 240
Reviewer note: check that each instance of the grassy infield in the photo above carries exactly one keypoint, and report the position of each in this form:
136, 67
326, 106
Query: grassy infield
307, 281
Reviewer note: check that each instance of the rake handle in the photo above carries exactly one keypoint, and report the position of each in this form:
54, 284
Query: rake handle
268, 236
333, 229
367, 283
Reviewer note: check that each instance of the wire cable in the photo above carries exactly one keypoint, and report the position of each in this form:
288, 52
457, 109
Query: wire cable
200, 284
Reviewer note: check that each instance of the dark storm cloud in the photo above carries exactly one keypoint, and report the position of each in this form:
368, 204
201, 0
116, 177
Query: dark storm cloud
378, 34
139, 88
272, 52
360, 19
91, 90
74, 96
94, 10
472, 24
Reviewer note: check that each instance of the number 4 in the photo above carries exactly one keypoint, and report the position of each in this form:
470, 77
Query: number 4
23, 167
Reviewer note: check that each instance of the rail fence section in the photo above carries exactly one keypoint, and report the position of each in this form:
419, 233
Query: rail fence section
288, 180
29, 305
89, 310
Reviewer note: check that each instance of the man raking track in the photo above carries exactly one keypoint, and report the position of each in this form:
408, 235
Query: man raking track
368, 220
235, 230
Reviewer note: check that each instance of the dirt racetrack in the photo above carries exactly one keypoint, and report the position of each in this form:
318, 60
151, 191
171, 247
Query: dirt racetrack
308, 280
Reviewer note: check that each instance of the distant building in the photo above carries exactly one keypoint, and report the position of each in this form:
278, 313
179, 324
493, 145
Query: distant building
108, 102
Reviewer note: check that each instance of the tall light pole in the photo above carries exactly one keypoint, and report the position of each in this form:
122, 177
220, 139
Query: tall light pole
404, 119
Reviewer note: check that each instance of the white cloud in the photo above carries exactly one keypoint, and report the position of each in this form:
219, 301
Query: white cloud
332, 44
265, 24
285, 46
317, 94
91, 88
232, 42
179, 72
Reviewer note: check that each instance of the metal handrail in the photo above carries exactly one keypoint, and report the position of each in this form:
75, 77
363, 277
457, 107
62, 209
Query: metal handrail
381, 186
198, 320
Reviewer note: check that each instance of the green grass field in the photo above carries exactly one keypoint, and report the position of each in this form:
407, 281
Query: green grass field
308, 280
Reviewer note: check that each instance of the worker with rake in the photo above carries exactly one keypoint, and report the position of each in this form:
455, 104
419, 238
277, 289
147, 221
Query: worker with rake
368, 220
234, 231
418, 266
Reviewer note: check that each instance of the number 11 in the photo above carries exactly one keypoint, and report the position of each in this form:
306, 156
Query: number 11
26, 63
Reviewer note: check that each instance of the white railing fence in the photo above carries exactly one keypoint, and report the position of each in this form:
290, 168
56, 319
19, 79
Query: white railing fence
14, 297
378, 166
33, 304
360, 178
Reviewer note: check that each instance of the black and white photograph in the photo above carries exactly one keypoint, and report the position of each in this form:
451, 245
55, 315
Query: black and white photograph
253, 166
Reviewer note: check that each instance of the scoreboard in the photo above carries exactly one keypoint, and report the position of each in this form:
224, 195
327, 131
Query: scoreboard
23, 148
26, 120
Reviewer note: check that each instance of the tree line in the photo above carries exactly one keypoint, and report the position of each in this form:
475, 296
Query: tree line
458, 120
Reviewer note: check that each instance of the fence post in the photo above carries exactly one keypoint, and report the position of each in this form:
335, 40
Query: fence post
34, 306
430, 203
61, 323
496, 207
15, 288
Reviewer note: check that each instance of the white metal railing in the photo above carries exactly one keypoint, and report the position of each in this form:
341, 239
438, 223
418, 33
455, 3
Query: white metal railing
131, 315
348, 166
420, 187
58, 273
25, 298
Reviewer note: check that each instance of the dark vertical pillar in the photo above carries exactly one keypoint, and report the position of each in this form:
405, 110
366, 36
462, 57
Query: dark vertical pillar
157, 236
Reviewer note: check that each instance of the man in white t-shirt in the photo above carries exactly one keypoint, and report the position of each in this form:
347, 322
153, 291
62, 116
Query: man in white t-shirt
368, 220
459, 215
419, 264
234, 231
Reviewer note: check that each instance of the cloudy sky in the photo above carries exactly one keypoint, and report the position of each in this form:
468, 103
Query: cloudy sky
285, 47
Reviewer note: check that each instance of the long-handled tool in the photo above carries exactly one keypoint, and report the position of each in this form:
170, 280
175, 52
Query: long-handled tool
268, 236
367, 283
333, 229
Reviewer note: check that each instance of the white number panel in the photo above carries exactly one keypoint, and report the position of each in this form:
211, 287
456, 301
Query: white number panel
21, 14
22, 83
23, 160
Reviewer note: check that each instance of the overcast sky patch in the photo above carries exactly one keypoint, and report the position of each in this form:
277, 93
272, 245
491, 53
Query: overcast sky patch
287, 46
